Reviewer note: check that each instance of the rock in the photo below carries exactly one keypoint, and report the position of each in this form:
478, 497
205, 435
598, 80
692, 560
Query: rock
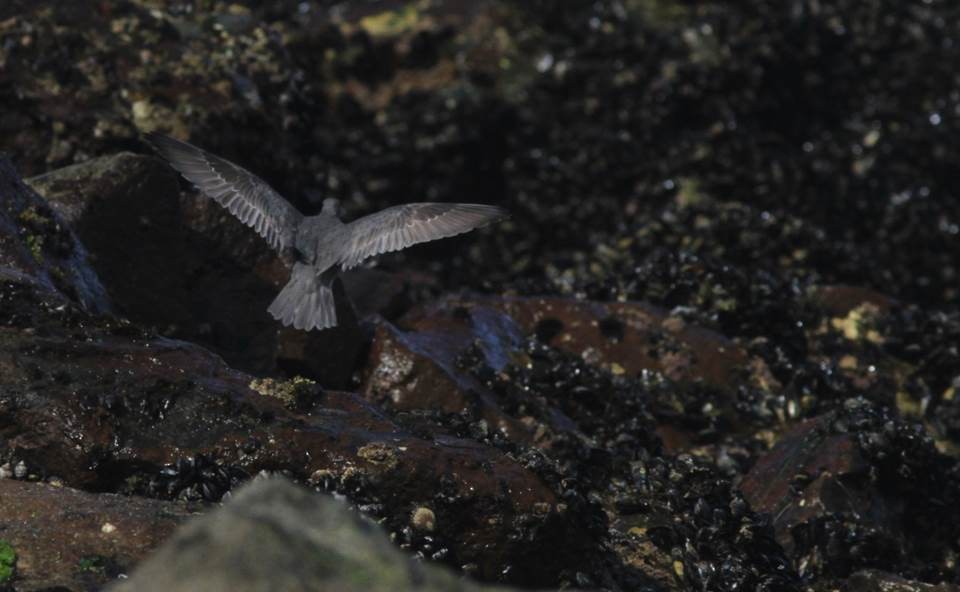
761, 170
277, 536
839, 300
878, 581
105, 406
36, 246
77, 540
417, 370
101, 404
810, 474
858, 488
685, 526
374, 292
125, 209
625, 337
181, 264
421, 368
472, 370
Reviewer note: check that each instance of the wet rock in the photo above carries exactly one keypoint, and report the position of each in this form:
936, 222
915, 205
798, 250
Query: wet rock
77, 540
752, 169
625, 337
680, 369
658, 503
275, 535
596, 431
125, 210
36, 245
105, 406
857, 489
840, 300
687, 527
375, 292
810, 474
182, 265
872, 581
417, 370
98, 403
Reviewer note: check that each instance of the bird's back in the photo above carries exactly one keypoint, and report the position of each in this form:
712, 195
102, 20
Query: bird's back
320, 239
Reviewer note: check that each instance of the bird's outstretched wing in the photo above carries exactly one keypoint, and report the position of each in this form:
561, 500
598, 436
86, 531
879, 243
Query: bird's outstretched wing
242, 193
399, 227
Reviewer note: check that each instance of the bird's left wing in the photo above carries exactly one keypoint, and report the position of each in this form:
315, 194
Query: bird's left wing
242, 193
399, 227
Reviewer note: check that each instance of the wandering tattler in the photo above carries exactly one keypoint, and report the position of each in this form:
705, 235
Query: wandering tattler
322, 245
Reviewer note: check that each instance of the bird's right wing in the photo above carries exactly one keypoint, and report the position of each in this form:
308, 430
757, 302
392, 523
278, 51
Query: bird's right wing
399, 227
242, 193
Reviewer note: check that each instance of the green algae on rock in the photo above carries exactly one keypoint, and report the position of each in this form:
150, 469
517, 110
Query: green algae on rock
8, 562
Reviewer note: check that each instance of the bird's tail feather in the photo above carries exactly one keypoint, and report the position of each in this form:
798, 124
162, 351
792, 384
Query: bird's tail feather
306, 302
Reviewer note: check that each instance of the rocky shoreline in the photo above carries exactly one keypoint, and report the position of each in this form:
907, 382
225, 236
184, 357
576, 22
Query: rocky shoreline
714, 348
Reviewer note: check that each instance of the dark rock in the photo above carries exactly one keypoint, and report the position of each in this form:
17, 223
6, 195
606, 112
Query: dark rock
105, 406
859, 488
182, 265
466, 366
101, 404
838, 301
277, 536
811, 474
684, 368
625, 337
168, 419
417, 370
80, 541
780, 175
878, 581
37, 246
374, 292
704, 531
125, 209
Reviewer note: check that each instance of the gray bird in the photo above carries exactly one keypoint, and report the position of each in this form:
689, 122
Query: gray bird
322, 245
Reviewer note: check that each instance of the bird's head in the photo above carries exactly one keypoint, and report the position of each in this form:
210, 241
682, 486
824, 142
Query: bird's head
331, 207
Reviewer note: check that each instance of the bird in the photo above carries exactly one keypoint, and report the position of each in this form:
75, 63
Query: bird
321, 246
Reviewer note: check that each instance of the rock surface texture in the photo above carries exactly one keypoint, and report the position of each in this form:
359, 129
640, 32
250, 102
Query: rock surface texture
274, 535
714, 348
65, 538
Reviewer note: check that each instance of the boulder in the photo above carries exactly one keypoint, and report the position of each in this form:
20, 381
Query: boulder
424, 361
625, 337
109, 407
63, 538
98, 403
858, 488
37, 246
879, 581
273, 535
179, 263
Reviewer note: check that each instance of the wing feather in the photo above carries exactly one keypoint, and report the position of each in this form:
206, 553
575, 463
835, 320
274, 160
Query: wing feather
399, 227
239, 191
